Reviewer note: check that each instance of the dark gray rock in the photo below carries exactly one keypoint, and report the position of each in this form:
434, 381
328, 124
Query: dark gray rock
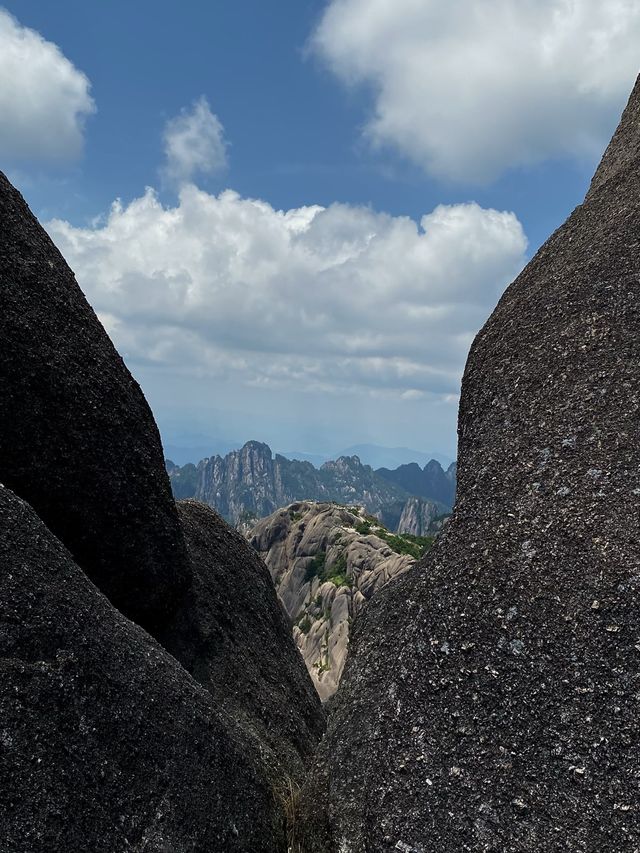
233, 636
77, 438
106, 744
490, 699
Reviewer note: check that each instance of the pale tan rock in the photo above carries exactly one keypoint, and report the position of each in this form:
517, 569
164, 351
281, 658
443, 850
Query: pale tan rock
325, 568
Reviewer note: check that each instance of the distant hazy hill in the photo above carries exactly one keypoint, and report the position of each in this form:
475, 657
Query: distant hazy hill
430, 482
251, 483
391, 457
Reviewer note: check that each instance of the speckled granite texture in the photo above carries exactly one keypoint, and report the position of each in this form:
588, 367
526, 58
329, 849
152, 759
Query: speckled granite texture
106, 744
492, 695
77, 438
232, 635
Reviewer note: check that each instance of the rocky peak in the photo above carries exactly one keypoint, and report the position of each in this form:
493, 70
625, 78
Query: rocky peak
344, 464
420, 518
326, 562
250, 483
430, 482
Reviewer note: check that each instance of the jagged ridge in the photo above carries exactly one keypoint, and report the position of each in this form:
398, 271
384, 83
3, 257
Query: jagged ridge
249, 484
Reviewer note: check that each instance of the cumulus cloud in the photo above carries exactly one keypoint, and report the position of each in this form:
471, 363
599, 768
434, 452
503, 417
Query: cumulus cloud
44, 99
336, 299
194, 144
468, 89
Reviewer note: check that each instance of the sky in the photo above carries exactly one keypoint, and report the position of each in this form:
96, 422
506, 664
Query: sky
292, 218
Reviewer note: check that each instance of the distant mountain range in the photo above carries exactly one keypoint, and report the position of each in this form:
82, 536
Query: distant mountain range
251, 483
377, 455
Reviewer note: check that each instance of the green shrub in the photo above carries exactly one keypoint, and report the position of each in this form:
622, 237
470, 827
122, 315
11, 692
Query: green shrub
406, 543
304, 623
315, 567
339, 580
401, 543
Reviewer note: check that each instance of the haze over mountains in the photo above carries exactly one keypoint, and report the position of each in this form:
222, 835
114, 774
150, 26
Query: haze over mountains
251, 483
182, 452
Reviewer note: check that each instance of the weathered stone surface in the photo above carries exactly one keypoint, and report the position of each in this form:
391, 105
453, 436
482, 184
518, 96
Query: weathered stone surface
490, 700
77, 438
325, 569
106, 744
420, 517
233, 636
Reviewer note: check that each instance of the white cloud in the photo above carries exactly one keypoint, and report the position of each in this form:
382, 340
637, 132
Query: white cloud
340, 299
194, 144
470, 88
44, 99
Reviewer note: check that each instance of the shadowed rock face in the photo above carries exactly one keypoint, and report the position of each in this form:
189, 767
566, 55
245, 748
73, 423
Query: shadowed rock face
233, 636
490, 700
106, 743
77, 438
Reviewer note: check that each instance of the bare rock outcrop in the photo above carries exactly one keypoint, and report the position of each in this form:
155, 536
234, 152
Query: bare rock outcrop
326, 562
233, 636
490, 698
106, 743
77, 438
420, 517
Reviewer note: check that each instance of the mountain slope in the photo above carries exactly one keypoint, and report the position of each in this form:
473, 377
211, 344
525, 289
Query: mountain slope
431, 482
326, 562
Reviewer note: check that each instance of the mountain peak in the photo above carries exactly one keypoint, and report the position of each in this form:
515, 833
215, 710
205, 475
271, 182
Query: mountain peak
623, 152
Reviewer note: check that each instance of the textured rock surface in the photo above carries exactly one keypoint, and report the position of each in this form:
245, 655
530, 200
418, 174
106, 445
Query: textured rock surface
326, 562
77, 439
106, 744
490, 701
233, 636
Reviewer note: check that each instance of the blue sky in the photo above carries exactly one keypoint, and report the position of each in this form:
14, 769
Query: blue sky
346, 320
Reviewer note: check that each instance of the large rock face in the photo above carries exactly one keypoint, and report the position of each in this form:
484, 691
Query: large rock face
490, 701
233, 636
77, 438
420, 517
326, 561
106, 743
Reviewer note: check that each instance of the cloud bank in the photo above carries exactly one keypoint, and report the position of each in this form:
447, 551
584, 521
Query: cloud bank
470, 88
44, 100
340, 299
194, 144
